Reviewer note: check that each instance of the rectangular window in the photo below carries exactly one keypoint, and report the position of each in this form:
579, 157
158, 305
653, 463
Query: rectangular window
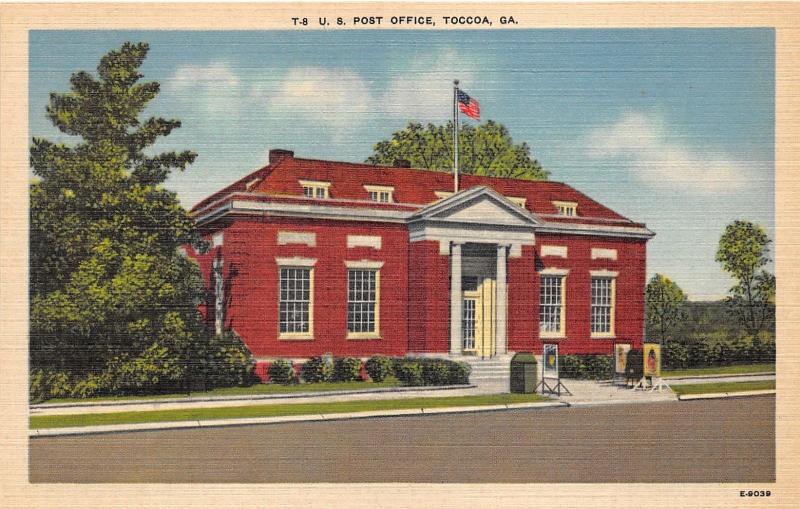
315, 189
315, 192
380, 196
602, 322
362, 302
566, 208
295, 301
551, 306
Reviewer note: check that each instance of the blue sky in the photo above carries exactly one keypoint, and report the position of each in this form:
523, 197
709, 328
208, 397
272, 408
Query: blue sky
672, 127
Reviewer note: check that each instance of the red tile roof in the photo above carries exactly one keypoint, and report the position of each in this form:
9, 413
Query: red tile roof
411, 186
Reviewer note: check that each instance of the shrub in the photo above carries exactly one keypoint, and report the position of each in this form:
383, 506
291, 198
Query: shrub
700, 353
409, 372
346, 369
586, 367
229, 362
316, 369
281, 372
431, 371
676, 355
155, 370
435, 371
762, 351
459, 373
45, 384
96, 384
379, 368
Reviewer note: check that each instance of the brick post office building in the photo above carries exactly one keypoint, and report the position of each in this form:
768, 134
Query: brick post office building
310, 257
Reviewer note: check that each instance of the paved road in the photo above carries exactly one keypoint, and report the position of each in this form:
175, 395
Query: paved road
730, 440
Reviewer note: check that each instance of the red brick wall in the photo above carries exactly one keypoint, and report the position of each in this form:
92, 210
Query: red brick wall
415, 289
429, 298
630, 283
250, 248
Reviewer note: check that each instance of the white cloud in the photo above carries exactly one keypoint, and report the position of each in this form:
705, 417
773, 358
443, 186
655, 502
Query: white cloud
423, 90
217, 75
214, 87
342, 102
644, 144
333, 98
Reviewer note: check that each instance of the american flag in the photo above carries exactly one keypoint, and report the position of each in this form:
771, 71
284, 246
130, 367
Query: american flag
468, 106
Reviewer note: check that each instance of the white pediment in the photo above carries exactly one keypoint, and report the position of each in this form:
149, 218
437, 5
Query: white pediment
481, 210
478, 206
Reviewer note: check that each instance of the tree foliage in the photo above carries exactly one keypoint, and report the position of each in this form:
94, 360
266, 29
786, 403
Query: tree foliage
108, 286
743, 252
665, 307
485, 149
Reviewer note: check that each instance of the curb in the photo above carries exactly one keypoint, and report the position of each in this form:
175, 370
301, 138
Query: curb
255, 397
720, 395
620, 402
711, 377
213, 423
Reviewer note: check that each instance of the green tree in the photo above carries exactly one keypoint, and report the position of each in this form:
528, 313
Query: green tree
108, 285
743, 252
665, 307
485, 149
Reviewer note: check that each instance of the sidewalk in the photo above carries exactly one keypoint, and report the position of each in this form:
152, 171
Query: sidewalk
263, 399
152, 426
584, 393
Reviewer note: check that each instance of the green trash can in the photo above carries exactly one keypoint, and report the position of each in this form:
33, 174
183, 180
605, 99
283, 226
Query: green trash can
523, 373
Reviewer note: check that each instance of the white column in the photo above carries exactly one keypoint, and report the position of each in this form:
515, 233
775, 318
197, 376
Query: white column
502, 300
456, 301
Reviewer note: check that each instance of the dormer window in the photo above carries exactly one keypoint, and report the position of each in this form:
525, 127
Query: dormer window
380, 194
316, 189
520, 202
566, 208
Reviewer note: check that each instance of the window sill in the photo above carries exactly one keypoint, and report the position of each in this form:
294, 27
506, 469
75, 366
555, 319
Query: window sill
552, 336
602, 336
363, 336
295, 337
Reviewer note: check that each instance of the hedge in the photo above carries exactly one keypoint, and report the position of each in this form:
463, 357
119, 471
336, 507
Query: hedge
711, 350
379, 368
317, 369
216, 361
431, 371
346, 369
586, 367
281, 372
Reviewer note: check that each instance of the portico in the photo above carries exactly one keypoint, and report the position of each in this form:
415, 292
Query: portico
479, 230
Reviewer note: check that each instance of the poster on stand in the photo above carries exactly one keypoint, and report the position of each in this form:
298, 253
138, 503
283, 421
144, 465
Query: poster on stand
652, 359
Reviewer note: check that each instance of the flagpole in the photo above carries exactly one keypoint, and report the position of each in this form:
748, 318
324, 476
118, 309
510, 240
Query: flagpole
455, 134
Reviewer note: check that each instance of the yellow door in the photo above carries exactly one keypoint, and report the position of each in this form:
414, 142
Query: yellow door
478, 324
486, 343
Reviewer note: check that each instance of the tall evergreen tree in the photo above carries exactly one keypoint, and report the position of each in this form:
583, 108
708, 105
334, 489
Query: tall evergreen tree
107, 283
486, 149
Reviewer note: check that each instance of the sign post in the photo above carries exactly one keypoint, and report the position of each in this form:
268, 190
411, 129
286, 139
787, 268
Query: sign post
651, 354
620, 362
551, 381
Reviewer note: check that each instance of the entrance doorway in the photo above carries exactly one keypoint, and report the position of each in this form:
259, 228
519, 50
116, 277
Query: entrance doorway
479, 301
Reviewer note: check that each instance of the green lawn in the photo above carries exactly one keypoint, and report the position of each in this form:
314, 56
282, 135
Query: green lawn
253, 390
724, 387
721, 370
282, 409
